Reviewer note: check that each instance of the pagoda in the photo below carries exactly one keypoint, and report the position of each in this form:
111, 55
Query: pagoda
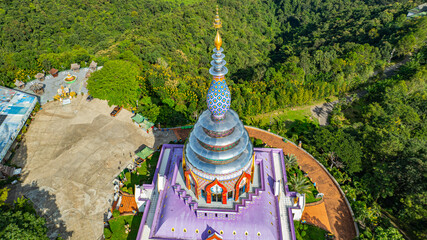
217, 186
218, 159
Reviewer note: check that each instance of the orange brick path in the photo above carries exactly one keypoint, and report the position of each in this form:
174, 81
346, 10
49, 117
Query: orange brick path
338, 213
317, 216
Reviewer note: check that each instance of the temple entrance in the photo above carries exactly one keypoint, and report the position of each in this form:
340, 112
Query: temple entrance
216, 193
242, 185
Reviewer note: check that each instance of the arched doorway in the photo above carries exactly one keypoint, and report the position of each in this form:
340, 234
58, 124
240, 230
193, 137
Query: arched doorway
216, 191
242, 185
191, 182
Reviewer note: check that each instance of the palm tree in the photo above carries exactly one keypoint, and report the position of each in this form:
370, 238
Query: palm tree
290, 161
299, 184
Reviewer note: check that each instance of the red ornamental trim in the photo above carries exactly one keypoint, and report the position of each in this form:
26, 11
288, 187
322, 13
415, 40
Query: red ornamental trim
187, 175
209, 193
214, 236
218, 148
248, 184
215, 134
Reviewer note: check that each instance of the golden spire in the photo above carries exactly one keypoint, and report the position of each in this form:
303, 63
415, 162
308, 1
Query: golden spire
217, 25
217, 22
218, 41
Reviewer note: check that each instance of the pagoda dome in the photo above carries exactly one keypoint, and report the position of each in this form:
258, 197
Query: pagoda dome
218, 149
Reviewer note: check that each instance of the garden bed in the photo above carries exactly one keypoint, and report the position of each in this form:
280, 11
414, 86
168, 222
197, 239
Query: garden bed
309, 232
311, 195
116, 231
143, 174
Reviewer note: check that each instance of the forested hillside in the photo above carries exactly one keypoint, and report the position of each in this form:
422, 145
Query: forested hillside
376, 148
280, 53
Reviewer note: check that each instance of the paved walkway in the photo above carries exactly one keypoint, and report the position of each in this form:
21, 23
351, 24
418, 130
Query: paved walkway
339, 214
52, 84
317, 215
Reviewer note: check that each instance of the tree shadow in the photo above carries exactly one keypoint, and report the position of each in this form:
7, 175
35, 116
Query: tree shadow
45, 206
134, 226
44, 202
343, 221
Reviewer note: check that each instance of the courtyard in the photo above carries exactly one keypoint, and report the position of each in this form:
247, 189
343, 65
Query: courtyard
70, 155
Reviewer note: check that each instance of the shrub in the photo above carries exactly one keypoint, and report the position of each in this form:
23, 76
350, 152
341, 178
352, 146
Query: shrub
107, 233
116, 213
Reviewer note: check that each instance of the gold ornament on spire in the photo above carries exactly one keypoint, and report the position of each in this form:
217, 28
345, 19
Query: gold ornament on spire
218, 41
217, 23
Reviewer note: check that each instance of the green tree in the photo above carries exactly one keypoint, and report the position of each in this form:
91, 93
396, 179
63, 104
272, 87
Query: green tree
3, 195
290, 161
116, 82
22, 225
299, 184
388, 234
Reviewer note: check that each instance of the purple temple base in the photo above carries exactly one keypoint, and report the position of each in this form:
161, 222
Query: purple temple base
178, 216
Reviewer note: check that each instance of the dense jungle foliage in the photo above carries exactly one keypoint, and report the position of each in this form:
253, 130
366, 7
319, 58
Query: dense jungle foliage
376, 148
280, 53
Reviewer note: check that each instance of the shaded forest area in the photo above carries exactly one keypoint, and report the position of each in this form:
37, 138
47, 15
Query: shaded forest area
280, 53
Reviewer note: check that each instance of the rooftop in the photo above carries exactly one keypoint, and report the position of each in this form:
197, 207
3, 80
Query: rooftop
173, 214
15, 108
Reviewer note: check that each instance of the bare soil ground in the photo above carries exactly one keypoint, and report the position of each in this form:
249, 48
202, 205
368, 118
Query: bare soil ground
70, 155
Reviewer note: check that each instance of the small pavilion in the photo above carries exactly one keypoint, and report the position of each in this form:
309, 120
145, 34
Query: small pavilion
54, 72
75, 67
39, 76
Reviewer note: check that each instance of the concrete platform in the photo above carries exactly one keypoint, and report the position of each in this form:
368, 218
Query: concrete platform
70, 155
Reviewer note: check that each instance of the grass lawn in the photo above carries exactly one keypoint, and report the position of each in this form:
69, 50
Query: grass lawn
308, 232
311, 196
117, 226
287, 114
146, 173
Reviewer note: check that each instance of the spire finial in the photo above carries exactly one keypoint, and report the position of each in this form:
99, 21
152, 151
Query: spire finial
218, 41
217, 22
218, 97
